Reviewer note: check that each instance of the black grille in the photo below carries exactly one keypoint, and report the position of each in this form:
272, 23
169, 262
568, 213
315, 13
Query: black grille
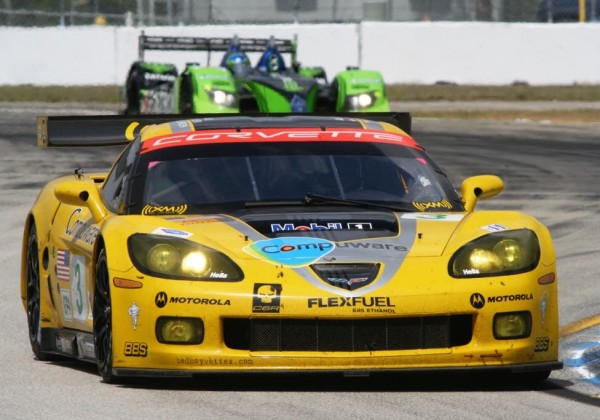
275, 334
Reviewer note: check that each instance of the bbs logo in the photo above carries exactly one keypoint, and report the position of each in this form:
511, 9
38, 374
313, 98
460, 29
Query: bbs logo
542, 344
136, 349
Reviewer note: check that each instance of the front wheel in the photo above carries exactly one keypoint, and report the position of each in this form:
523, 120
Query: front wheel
34, 308
102, 313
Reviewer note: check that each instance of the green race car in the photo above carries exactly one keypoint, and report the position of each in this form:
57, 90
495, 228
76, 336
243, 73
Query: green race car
238, 86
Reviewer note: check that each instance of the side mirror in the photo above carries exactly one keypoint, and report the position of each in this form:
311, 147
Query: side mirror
81, 193
480, 187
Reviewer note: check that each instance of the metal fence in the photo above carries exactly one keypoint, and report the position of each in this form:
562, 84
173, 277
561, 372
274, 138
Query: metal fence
31, 13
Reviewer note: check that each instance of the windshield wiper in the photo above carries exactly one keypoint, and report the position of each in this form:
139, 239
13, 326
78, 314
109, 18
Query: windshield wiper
311, 199
275, 203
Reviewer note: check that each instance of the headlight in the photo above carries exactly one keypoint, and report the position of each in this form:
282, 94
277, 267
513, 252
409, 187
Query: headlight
222, 98
512, 325
499, 253
178, 258
360, 101
179, 330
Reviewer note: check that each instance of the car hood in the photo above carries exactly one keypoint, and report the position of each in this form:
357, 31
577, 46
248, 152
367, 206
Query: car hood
347, 236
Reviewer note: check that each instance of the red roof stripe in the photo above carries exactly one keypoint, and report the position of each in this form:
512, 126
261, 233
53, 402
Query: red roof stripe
188, 138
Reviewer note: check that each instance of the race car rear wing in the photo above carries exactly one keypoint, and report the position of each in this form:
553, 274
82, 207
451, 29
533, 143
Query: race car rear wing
111, 130
182, 43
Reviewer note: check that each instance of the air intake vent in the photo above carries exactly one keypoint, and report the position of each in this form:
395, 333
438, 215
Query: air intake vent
377, 334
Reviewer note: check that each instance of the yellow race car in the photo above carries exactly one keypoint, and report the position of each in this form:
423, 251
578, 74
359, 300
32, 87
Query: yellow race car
306, 243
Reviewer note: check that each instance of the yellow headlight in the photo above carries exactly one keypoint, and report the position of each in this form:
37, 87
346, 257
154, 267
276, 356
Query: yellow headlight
194, 263
180, 330
163, 258
484, 260
509, 252
512, 325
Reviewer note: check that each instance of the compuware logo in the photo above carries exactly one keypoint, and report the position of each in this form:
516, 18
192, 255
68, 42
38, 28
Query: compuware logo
290, 251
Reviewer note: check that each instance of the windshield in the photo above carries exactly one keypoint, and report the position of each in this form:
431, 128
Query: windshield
238, 175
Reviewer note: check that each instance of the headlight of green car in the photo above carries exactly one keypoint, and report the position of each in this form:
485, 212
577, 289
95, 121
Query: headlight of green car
222, 98
497, 254
360, 101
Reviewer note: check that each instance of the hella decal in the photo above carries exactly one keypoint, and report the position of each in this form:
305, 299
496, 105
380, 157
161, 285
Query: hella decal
290, 251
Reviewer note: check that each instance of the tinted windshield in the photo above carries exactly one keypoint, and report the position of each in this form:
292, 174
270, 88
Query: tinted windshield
232, 175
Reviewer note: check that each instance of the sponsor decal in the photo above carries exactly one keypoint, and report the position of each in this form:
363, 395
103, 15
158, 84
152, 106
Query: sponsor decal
494, 228
150, 210
134, 313
542, 344
274, 134
196, 220
161, 300
65, 295
356, 301
172, 232
277, 227
544, 307
159, 77
80, 230
477, 300
267, 297
470, 271
422, 206
343, 282
79, 288
133, 349
510, 298
371, 245
63, 264
360, 225
434, 216
194, 361
424, 181
298, 103
221, 275
290, 251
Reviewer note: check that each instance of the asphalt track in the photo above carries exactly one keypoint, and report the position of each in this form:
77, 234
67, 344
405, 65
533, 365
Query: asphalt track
550, 171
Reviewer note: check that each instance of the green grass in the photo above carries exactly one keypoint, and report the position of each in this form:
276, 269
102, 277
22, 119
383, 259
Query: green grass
516, 92
89, 94
396, 93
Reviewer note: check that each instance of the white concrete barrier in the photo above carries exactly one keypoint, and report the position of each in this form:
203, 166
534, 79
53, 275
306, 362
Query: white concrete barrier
412, 52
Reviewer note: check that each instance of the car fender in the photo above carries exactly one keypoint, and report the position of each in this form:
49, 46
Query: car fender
194, 86
354, 82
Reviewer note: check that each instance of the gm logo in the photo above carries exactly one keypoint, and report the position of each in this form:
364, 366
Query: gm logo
161, 299
477, 300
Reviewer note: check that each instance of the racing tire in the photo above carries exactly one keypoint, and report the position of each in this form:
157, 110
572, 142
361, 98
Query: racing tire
34, 305
186, 106
133, 95
102, 313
